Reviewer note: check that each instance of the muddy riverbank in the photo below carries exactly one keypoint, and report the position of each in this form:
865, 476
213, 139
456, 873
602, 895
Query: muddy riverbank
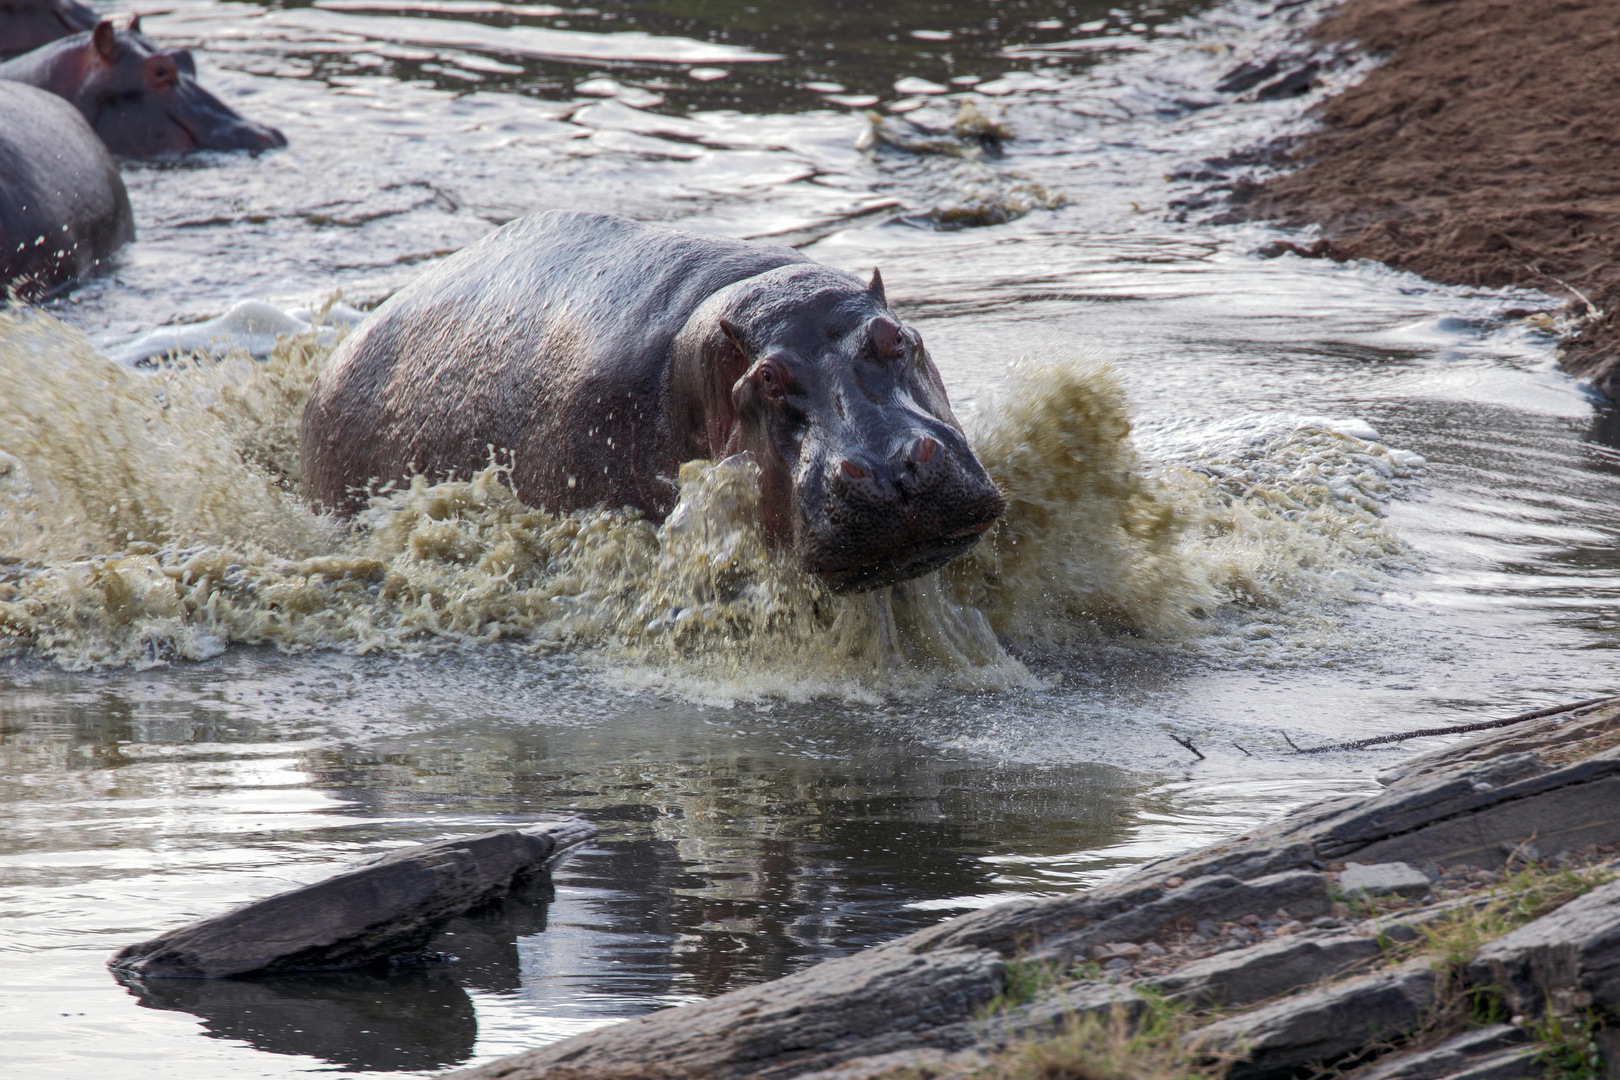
1482, 151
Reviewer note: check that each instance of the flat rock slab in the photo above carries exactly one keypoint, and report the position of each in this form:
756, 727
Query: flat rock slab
1570, 958
386, 908
1267, 969
1323, 1025
1457, 1054
886, 1001
1382, 879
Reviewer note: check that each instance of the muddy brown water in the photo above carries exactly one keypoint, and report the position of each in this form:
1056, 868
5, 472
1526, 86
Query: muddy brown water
1395, 513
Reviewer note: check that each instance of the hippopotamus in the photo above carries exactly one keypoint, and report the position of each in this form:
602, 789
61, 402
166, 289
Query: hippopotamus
143, 101
594, 355
27, 24
63, 207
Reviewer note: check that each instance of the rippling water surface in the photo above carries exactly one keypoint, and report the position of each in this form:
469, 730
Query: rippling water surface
1255, 500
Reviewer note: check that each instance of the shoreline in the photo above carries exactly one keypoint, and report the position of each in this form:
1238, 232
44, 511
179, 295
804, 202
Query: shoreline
1481, 151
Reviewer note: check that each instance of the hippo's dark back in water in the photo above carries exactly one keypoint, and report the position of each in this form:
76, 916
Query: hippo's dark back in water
63, 207
596, 355
143, 101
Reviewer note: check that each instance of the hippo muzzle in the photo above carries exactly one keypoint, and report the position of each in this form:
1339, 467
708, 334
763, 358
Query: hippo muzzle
878, 512
865, 472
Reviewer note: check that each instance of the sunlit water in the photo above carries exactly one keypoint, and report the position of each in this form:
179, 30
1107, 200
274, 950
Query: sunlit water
1253, 501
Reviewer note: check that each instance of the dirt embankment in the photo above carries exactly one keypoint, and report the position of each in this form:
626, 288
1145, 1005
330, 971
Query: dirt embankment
1484, 151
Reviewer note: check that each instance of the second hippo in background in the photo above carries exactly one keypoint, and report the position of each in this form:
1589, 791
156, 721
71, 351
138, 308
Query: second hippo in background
25, 25
141, 100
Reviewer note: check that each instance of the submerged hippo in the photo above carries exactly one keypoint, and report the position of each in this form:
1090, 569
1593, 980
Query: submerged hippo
597, 354
28, 24
141, 100
63, 207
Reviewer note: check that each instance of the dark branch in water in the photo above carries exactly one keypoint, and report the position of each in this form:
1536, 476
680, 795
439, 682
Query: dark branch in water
1292, 743
1245, 752
1459, 729
1188, 744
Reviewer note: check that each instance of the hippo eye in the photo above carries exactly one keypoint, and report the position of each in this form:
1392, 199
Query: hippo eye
770, 380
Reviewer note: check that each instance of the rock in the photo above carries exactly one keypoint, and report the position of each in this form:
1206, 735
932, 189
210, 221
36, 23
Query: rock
1214, 897
1564, 730
1447, 1059
1517, 1063
885, 1001
1382, 879
1570, 958
1324, 1025
920, 1001
386, 908
1266, 970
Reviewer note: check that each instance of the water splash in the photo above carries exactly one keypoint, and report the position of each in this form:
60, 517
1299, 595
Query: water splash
147, 518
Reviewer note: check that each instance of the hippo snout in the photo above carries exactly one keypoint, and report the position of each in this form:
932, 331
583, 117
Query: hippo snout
246, 135
882, 518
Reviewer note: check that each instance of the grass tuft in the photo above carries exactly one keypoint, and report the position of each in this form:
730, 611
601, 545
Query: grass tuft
1569, 1046
1110, 1047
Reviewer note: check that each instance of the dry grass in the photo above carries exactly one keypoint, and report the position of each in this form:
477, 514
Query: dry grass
1111, 1046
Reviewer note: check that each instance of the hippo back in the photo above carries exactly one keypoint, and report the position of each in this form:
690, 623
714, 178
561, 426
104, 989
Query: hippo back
540, 340
63, 207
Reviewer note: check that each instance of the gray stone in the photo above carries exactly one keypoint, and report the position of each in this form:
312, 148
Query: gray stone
1518, 1063
1049, 1012
1570, 957
1324, 1025
1382, 879
1266, 970
1301, 893
389, 907
885, 1001
1456, 1053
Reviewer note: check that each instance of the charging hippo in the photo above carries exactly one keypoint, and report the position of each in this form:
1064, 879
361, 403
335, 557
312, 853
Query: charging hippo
596, 355
63, 207
27, 24
141, 100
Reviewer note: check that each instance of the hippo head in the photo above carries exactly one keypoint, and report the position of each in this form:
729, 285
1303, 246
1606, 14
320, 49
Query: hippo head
144, 101
25, 25
864, 470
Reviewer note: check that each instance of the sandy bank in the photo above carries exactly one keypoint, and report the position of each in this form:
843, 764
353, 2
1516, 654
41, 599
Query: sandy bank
1484, 151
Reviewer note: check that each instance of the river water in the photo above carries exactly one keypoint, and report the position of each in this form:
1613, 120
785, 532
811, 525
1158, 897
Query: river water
1257, 503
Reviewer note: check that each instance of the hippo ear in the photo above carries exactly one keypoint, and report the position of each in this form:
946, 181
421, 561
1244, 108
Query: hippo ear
876, 288
733, 334
134, 26
104, 41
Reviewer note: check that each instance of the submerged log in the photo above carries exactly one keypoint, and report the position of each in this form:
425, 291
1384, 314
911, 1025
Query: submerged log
385, 909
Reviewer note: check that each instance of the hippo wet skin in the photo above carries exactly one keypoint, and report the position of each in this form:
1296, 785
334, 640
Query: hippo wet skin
143, 101
28, 24
63, 207
595, 355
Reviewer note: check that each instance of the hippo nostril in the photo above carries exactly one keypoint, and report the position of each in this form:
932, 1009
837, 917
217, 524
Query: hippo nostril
923, 449
852, 470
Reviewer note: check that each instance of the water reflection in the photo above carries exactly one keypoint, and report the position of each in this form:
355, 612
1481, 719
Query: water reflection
403, 1019
702, 54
